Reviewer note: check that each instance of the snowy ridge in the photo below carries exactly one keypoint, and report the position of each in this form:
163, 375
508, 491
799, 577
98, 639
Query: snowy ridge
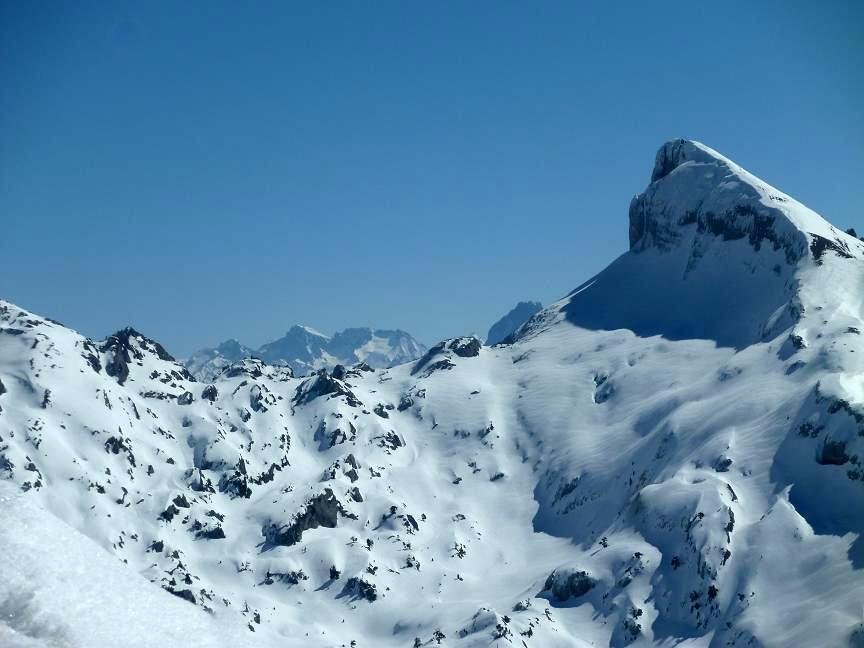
619, 475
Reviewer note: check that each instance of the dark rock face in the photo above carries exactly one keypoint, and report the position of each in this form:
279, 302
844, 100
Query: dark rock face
426, 359
237, 483
91, 355
507, 325
357, 588
324, 385
210, 393
464, 347
832, 453
185, 398
216, 533
819, 245
2, 388
120, 445
405, 402
321, 511
566, 584
669, 157
169, 513
185, 594
118, 366
123, 351
289, 578
381, 411
659, 216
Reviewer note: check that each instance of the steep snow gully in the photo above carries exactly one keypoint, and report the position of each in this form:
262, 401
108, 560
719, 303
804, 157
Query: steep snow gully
668, 456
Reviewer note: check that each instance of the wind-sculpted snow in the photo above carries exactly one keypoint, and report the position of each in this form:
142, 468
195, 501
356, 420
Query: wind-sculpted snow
584, 485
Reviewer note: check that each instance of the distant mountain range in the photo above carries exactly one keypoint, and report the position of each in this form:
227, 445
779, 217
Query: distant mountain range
304, 350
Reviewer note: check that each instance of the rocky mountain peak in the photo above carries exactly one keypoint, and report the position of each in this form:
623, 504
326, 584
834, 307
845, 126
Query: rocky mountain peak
697, 196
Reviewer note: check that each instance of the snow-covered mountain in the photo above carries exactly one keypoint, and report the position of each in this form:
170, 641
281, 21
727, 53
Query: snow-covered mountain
304, 350
509, 323
668, 456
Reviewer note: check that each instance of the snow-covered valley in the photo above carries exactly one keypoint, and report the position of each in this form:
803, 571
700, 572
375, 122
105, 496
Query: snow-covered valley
670, 455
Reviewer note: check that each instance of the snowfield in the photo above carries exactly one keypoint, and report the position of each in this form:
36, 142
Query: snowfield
668, 456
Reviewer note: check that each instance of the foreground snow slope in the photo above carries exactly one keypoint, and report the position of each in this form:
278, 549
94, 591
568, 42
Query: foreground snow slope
668, 456
58, 588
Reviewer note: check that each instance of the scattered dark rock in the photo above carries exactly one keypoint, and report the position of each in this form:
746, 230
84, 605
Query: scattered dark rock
819, 245
565, 584
184, 594
323, 510
722, 464
116, 445
381, 411
237, 483
357, 588
797, 341
289, 578
210, 393
216, 533
405, 402
169, 513
389, 441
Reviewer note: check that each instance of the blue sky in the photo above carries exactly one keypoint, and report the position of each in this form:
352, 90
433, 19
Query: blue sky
213, 170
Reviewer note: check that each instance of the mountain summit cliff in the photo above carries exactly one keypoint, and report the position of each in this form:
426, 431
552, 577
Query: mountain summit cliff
715, 253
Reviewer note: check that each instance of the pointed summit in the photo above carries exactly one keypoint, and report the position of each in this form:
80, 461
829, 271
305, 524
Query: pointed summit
694, 185
715, 253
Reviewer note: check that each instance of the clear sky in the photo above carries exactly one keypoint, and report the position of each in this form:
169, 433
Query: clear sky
204, 170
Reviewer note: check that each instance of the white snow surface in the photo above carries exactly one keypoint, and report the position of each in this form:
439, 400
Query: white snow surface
671, 465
